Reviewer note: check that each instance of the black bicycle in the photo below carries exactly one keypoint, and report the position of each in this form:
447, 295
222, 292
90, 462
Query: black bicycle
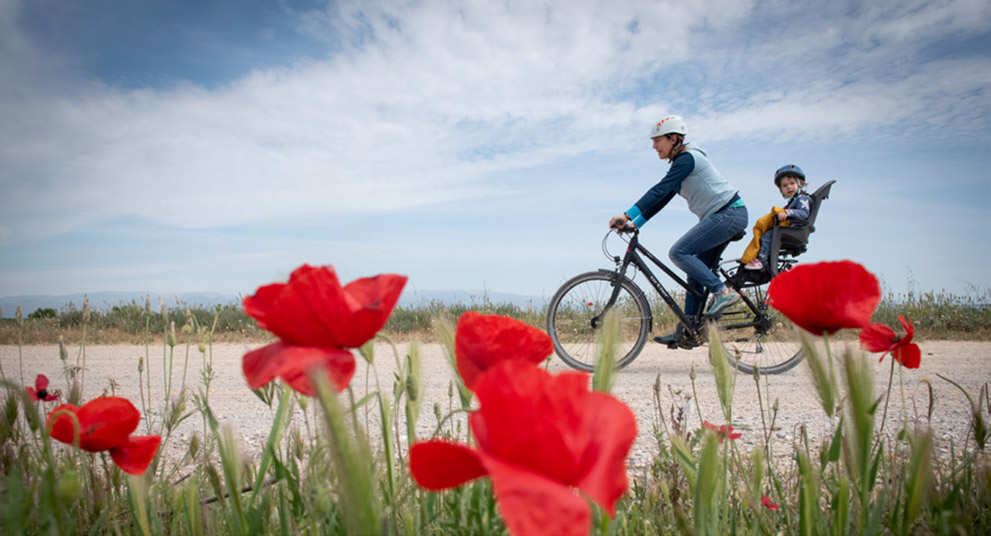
753, 334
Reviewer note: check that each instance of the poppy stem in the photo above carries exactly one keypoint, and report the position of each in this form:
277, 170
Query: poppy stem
887, 397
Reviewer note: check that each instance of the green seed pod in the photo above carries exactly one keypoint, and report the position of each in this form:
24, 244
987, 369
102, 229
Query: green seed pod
171, 340
411, 388
297, 444
10, 411
194, 446
214, 477
68, 487
141, 364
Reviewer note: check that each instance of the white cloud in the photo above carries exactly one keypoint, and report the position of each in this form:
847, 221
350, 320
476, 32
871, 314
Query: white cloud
421, 102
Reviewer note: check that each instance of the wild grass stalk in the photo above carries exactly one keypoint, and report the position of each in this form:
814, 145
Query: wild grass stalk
605, 360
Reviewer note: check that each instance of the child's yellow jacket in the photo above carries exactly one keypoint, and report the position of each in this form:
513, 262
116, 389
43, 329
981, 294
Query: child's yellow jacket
763, 225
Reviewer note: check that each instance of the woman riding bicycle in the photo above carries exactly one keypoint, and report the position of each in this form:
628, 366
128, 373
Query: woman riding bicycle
722, 214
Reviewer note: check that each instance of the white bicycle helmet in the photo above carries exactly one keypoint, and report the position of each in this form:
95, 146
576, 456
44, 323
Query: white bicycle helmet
672, 124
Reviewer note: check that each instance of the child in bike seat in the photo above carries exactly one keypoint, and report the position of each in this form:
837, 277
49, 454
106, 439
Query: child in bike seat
790, 180
722, 214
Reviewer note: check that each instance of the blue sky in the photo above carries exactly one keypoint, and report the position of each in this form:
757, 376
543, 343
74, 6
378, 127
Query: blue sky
213, 146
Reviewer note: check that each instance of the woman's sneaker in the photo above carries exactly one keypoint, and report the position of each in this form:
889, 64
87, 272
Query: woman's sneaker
722, 302
754, 265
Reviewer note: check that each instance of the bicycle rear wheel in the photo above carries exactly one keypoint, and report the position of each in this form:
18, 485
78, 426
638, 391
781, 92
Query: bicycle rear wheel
763, 339
574, 317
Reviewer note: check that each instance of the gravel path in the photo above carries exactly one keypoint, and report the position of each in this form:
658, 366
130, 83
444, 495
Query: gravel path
968, 363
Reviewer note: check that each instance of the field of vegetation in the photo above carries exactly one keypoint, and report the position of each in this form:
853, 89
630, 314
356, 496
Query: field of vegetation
936, 315
325, 474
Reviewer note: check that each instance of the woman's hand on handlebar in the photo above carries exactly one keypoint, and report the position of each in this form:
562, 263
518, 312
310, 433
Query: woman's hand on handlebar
622, 224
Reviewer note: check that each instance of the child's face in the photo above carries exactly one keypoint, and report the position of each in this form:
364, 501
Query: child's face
789, 186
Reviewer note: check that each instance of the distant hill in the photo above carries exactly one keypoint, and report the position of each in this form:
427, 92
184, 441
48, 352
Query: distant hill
99, 301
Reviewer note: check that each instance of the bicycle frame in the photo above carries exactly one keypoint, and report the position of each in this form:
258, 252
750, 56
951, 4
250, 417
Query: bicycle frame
633, 256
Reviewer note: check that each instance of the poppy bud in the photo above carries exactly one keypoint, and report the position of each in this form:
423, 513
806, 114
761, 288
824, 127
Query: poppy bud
202, 348
148, 305
86, 310
75, 393
437, 412
186, 329
171, 340
20, 318
63, 354
141, 364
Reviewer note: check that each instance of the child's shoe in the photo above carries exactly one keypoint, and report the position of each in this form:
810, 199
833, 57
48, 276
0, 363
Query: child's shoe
754, 265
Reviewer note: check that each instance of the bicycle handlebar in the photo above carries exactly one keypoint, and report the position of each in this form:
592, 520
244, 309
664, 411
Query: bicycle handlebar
631, 229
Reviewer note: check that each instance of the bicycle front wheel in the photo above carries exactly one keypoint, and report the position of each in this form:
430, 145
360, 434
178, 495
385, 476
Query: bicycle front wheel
759, 339
575, 316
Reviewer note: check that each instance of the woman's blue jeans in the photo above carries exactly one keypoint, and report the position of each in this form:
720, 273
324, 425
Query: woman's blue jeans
697, 253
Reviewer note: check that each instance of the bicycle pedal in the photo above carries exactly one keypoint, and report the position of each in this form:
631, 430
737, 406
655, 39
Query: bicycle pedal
689, 341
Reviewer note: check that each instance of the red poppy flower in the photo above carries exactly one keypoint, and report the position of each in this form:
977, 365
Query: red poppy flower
881, 338
826, 297
722, 431
482, 341
40, 390
540, 438
317, 319
313, 309
106, 424
294, 363
766, 501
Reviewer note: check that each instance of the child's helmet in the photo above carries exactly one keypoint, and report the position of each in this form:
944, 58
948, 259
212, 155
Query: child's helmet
784, 171
672, 124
